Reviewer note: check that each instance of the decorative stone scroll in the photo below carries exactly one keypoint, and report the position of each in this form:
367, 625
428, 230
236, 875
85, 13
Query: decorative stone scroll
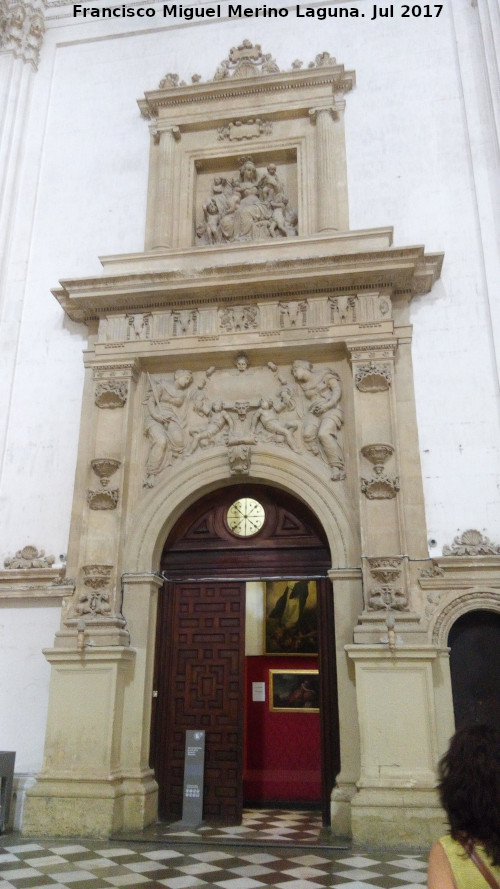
104, 497
381, 486
22, 26
238, 408
252, 206
29, 557
471, 543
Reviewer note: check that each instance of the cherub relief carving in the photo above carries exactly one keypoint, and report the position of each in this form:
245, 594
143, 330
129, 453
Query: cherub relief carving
240, 407
250, 207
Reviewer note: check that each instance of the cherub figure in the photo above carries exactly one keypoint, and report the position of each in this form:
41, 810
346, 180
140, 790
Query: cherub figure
267, 416
218, 417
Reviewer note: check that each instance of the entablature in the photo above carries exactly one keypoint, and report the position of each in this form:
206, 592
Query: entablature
304, 269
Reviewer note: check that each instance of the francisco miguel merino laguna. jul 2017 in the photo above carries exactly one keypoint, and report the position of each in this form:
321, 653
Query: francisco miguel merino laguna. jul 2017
233, 10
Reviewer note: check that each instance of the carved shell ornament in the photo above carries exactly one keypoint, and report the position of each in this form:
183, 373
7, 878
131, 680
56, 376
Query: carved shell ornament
471, 543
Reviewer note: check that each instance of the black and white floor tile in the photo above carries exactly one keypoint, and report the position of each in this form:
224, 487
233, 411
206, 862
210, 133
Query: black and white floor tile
216, 861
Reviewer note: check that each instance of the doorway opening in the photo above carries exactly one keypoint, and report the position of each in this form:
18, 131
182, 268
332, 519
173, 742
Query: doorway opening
474, 641
245, 650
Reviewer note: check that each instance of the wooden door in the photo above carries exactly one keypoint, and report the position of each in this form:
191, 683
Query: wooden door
201, 680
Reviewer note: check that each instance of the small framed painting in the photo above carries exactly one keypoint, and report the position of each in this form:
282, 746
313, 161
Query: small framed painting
291, 617
294, 690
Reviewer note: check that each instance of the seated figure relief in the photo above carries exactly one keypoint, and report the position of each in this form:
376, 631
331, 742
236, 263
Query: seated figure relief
254, 206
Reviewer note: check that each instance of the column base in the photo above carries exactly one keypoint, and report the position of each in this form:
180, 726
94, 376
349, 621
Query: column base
100, 808
398, 818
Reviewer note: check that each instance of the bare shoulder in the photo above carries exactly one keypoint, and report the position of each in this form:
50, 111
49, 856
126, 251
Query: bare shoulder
439, 873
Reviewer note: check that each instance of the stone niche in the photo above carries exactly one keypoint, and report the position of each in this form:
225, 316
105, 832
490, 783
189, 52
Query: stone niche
256, 154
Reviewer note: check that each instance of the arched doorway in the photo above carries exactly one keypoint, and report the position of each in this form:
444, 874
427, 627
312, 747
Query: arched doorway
211, 569
474, 640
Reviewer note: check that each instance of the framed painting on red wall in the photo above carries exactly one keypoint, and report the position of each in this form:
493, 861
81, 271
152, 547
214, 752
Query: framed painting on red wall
291, 619
294, 690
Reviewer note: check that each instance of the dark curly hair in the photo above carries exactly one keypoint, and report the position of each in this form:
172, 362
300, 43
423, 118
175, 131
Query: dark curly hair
469, 787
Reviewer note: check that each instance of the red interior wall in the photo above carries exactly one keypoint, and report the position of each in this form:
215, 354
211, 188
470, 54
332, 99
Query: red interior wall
282, 750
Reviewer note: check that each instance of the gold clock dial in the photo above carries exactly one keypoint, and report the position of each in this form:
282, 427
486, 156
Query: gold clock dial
245, 517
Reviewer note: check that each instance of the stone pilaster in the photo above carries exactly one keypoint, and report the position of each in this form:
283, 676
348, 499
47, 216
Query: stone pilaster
331, 182
159, 227
96, 607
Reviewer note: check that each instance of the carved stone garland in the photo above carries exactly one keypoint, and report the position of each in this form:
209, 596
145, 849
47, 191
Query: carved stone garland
186, 412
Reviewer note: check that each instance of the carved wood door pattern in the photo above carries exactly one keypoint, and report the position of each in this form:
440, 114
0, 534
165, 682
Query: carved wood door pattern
200, 639
203, 685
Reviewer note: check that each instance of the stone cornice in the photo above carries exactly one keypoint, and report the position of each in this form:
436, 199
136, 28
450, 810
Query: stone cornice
192, 276
461, 572
176, 98
34, 583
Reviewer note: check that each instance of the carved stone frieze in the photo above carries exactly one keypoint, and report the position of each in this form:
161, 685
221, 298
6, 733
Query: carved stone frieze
29, 557
471, 543
22, 26
111, 394
139, 326
251, 206
293, 314
373, 377
268, 318
241, 130
104, 497
236, 318
432, 571
299, 409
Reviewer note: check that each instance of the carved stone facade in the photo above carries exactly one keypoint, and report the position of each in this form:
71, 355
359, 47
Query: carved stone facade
256, 338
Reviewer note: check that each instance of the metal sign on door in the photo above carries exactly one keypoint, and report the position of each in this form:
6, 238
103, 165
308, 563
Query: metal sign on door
194, 766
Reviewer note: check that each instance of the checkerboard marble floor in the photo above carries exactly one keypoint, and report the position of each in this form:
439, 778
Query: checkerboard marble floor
259, 826
97, 864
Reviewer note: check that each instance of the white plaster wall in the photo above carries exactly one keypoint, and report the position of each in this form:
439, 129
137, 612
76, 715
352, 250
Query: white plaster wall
24, 631
81, 193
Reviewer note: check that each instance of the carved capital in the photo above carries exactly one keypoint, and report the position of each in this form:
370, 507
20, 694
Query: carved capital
22, 26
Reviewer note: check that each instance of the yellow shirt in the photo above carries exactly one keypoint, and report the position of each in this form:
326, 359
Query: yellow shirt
466, 874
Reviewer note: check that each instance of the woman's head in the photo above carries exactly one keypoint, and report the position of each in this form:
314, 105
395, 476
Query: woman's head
469, 786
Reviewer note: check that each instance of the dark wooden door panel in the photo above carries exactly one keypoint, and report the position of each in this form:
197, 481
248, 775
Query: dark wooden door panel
202, 682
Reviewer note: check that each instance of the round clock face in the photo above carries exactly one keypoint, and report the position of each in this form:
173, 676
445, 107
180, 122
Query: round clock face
245, 517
